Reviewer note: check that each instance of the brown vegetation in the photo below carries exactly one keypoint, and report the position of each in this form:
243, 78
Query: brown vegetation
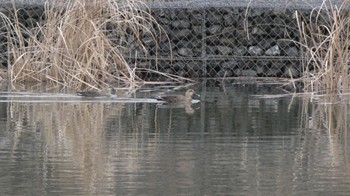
79, 44
325, 40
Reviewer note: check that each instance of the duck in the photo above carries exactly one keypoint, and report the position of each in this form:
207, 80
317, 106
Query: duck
92, 93
187, 98
295, 86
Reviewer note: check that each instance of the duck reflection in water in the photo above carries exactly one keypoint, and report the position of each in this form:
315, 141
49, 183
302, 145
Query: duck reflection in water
178, 101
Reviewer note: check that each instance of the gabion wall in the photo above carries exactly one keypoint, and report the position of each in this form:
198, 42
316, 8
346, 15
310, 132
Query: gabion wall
209, 42
223, 42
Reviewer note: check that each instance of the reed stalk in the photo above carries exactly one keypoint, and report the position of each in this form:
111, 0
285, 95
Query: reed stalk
80, 43
325, 43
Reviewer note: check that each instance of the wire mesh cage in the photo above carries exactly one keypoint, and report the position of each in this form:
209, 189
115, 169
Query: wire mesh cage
224, 42
209, 39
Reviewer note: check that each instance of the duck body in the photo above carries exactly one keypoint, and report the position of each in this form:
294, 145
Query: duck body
178, 98
296, 87
92, 93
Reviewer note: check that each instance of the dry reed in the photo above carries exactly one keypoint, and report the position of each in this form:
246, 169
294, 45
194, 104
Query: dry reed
81, 43
325, 43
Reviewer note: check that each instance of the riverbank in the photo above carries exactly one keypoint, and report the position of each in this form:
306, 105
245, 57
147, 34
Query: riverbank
191, 39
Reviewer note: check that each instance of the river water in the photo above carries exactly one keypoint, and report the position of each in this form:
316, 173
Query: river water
240, 139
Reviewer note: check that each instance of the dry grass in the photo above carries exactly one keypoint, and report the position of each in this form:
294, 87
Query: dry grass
81, 43
325, 40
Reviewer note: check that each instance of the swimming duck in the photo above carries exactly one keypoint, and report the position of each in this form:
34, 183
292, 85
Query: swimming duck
178, 98
92, 93
296, 86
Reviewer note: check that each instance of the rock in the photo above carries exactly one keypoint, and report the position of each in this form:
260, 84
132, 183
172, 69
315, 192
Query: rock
215, 29
273, 72
149, 42
180, 34
260, 70
228, 32
196, 19
164, 49
227, 41
237, 72
258, 31
197, 30
291, 71
194, 66
229, 64
261, 20
211, 50
141, 65
167, 29
169, 71
184, 44
161, 38
273, 51
264, 63
214, 18
178, 66
181, 24
195, 74
245, 63
255, 51
284, 43
181, 73
187, 52
196, 43
292, 51
224, 73
249, 72
278, 32
255, 12
164, 21
229, 20
212, 40
240, 51
161, 14
176, 14
278, 21
197, 52
224, 50
240, 33
245, 41
266, 43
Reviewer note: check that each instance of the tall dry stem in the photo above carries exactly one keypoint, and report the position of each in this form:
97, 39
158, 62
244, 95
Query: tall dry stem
325, 41
80, 43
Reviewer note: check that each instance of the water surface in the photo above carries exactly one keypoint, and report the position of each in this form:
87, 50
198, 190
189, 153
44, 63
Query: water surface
235, 141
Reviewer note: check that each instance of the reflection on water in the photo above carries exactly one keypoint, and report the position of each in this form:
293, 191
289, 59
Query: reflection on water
233, 142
